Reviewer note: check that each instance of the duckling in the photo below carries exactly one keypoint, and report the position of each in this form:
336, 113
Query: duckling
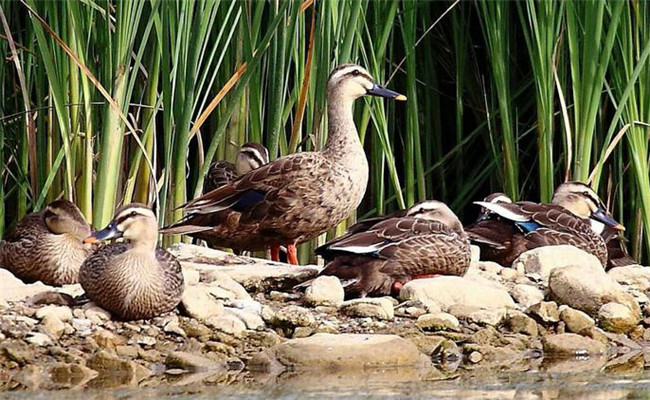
377, 258
571, 219
250, 156
47, 246
296, 197
134, 280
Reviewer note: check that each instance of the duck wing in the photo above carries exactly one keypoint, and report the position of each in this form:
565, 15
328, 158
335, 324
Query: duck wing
220, 173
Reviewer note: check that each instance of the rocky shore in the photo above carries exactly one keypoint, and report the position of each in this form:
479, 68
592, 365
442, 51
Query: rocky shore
240, 321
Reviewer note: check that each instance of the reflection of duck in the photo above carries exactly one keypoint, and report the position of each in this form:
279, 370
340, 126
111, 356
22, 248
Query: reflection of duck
47, 246
376, 257
570, 219
133, 280
296, 197
250, 156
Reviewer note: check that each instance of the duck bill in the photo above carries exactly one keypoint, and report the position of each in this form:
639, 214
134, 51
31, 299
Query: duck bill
601, 216
110, 232
378, 90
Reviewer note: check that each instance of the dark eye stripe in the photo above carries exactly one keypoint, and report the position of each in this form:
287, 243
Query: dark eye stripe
368, 77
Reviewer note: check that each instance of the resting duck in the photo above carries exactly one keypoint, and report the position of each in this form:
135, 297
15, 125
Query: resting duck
250, 156
47, 246
134, 280
573, 218
376, 257
617, 254
296, 197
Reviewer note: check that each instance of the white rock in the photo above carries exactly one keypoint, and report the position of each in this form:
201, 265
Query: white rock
543, 260
476, 253
63, 313
379, 307
526, 295
191, 276
635, 276
446, 291
96, 314
617, 318
38, 339
13, 289
325, 291
82, 326
72, 290
53, 326
438, 321
251, 320
227, 323
481, 316
199, 303
224, 287
587, 288
489, 266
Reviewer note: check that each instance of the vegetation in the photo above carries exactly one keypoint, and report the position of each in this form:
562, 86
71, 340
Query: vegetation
108, 102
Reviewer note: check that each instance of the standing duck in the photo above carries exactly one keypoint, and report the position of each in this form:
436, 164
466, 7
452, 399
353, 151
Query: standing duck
296, 197
134, 280
376, 257
572, 218
47, 246
250, 156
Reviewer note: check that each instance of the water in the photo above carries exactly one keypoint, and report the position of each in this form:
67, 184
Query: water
574, 379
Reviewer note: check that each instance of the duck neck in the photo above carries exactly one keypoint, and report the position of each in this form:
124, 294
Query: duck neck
342, 136
144, 245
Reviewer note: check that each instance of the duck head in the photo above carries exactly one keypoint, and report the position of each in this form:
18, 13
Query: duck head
63, 217
494, 198
584, 203
251, 156
350, 81
134, 222
434, 210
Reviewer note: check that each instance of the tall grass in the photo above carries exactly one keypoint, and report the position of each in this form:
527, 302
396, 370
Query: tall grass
107, 102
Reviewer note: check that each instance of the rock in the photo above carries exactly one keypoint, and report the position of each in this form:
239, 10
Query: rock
587, 288
251, 320
63, 313
575, 321
192, 362
107, 340
115, 370
127, 351
374, 307
199, 303
96, 314
489, 266
325, 291
66, 376
519, 322
195, 329
324, 351
191, 276
635, 276
571, 344
475, 357
82, 326
438, 322
491, 316
227, 323
13, 289
543, 260
617, 318
475, 253
38, 339
293, 316
508, 274
442, 292
224, 287
174, 327
53, 326
526, 295
545, 311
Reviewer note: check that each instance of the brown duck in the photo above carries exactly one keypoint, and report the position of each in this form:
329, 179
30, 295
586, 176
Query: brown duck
47, 246
296, 197
249, 157
376, 257
570, 219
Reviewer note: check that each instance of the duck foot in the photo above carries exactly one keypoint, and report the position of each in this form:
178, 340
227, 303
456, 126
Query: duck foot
292, 254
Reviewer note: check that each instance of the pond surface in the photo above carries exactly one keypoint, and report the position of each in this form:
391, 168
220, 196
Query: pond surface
561, 379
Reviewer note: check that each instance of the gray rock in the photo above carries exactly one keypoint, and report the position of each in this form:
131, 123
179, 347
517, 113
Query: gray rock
442, 292
545, 311
438, 322
324, 351
571, 344
575, 321
526, 295
481, 316
634, 276
292, 317
617, 318
519, 322
63, 313
53, 326
379, 307
543, 260
587, 288
38, 339
82, 326
192, 362
199, 303
325, 291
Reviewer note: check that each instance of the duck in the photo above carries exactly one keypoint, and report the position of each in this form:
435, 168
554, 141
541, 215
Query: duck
47, 246
135, 279
296, 197
378, 256
617, 254
249, 157
573, 217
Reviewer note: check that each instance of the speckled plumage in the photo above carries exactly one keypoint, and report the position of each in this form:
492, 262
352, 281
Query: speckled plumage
250, 156
33, 252
296, 197
135, 280
220, 173
375, 255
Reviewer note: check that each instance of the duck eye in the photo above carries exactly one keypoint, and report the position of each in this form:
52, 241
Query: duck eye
133, 213
356, 72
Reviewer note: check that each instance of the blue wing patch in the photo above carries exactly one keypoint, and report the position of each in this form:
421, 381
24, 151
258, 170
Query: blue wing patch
248, 200
528, 226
